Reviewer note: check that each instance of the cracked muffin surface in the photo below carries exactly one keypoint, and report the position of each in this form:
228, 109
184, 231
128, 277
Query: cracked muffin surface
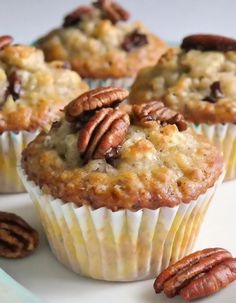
32, 92
157, 164
99, 47
201, 84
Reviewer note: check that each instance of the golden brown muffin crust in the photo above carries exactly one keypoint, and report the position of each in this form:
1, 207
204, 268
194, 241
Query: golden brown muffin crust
95, 46
185, 81
32, 92
157, 166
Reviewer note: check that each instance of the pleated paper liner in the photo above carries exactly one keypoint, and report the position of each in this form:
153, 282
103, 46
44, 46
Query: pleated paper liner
119, 82
122, 245
223, 136
11, 146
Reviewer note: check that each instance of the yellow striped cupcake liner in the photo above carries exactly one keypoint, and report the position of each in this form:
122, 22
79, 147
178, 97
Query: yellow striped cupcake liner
223, 136
11, 146
123, 245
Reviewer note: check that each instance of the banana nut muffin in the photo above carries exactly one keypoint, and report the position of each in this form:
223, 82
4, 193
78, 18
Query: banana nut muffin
199, 80
32, 93
132, 187
151, 166
98, 44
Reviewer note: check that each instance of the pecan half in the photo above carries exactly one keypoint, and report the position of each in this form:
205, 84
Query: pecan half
215, 94
82, 107
14, 86
75, 16
134, 40
103, 133
17, 238
221, 275
205, 42
112, 10
198, 275
5, 40
156, 111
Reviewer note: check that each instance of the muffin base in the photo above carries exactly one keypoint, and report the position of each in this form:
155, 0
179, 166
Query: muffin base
224, 137
11, 147
120, 82
122, 245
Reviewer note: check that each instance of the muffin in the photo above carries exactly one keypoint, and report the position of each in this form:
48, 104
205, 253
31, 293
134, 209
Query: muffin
101, 46
32, 93
198, 80
120, 195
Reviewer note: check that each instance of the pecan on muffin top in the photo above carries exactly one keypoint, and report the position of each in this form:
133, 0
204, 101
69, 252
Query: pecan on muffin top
197, 79
100, 155
32, 92
98, 42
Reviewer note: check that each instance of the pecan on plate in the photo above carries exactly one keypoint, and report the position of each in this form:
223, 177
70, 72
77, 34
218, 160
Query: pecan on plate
205, 42
14, 86
74, 17
215, 93
112, 10
134, 40
5, 40
82, 107
102, 135
156, 111
198, 275
17, 238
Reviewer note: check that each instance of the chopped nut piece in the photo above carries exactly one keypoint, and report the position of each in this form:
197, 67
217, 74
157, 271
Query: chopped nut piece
14, 87
17, 238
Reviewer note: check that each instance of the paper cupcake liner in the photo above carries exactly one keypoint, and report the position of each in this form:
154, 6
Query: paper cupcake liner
120, 82
122, 245
11, 146
223, 136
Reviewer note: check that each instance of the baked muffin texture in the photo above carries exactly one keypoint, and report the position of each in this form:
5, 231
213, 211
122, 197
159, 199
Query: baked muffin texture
121, 194
199, 82
157, 165
32, 92
99, 46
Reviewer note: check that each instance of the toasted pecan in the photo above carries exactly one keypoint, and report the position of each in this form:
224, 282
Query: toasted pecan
221, 275
17, 238
75, 16
112, 10
93, 100
5, 40
205, 42
156, 111
183, 264
197, 275
103, 133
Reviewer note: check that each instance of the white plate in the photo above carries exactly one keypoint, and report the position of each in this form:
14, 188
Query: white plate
53, 283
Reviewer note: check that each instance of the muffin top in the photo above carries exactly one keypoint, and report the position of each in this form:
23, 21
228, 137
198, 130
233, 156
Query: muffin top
32, 92
198, 79
98, 42
100, 155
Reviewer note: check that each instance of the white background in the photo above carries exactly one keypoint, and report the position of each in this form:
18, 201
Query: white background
171, 19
